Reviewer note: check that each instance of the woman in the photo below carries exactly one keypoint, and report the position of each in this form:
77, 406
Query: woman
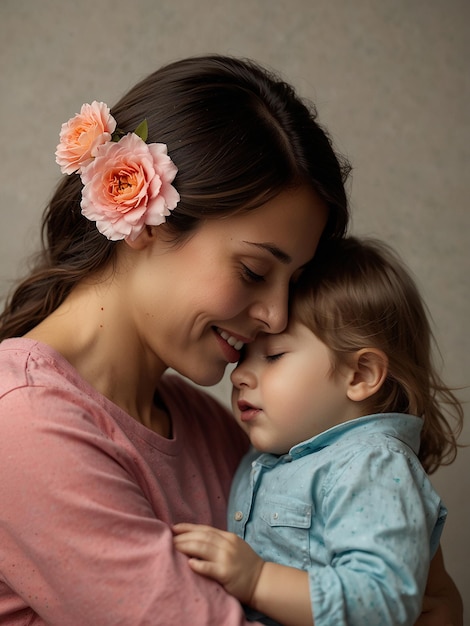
143, 270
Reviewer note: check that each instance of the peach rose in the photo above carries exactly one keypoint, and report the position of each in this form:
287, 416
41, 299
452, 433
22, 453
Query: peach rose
81, 136
127, 186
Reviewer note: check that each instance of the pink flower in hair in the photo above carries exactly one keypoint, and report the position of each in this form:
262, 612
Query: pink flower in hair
81, 136
128, 186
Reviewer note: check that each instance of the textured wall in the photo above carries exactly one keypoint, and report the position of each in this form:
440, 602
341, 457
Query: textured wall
390, 79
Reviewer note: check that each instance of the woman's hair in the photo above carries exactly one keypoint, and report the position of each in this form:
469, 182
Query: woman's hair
238, 134
357, 294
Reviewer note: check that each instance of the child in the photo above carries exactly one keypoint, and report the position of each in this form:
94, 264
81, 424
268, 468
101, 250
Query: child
333, 497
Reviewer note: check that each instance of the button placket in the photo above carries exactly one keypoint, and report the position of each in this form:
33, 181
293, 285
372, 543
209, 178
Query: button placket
241, 516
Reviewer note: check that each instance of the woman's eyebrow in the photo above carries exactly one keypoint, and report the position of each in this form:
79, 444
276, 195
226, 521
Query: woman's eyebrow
279, 254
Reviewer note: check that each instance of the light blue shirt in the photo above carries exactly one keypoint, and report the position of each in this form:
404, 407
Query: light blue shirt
354, 508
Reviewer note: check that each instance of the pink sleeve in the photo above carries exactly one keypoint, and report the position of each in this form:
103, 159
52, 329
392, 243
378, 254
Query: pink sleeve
80, 541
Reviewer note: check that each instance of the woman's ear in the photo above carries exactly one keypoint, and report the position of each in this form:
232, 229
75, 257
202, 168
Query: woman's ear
368, 373
146, 237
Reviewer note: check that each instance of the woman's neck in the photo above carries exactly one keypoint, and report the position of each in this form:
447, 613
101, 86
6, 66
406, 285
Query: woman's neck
104, 349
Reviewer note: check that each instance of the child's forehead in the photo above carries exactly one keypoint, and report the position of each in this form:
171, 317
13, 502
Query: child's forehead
264, 340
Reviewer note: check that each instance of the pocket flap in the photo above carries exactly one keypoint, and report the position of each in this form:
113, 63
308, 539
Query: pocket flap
285, 511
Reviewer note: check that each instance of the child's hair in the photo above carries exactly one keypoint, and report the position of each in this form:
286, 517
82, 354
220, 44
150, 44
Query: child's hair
358, 294
238, 134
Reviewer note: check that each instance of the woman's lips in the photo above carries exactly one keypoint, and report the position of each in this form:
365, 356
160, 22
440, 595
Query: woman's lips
229, 344
230, 339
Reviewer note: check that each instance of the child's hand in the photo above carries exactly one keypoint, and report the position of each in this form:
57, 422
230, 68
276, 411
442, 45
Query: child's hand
222, 556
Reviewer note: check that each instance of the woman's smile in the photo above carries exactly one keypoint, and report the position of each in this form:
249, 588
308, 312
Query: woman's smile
230, 345
230, 339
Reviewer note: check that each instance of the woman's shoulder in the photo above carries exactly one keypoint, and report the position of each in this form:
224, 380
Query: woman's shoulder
29, 367
26, 363
40, 389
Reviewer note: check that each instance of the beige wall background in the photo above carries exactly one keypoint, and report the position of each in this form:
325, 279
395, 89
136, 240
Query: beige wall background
390, 79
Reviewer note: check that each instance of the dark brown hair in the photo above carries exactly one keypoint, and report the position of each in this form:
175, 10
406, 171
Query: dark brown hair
358, 294
237, 133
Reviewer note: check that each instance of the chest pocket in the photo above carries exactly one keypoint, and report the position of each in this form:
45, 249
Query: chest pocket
286, 524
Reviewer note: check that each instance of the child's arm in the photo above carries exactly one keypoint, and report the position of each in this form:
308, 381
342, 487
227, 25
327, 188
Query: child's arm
278, 591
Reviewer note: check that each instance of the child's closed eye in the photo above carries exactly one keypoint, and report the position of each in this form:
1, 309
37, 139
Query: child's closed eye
273, 357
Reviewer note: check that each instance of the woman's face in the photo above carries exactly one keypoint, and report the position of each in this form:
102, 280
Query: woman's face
196, 304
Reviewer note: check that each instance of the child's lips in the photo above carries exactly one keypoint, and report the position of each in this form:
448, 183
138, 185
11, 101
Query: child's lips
247, 411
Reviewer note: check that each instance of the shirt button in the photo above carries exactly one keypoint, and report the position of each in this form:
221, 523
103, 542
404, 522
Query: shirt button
238, 516
275, 515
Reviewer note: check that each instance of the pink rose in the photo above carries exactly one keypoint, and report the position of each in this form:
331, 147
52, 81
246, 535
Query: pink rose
127, 186
81, 136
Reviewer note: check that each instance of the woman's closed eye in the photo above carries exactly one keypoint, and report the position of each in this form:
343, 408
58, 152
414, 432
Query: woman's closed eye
251, 276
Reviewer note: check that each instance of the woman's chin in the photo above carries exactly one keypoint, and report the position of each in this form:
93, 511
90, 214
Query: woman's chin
206, 378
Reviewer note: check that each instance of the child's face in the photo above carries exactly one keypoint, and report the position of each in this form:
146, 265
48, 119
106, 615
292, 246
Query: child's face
284, 390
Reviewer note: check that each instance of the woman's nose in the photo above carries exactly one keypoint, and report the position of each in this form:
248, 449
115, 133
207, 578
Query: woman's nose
272, 310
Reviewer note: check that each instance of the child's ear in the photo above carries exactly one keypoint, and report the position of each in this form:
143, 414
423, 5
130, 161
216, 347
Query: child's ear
368, 373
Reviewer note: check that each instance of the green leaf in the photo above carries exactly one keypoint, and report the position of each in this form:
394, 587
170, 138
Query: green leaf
142, 130
117, 135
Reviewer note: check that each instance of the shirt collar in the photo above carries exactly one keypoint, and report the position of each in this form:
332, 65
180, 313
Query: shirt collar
406, 428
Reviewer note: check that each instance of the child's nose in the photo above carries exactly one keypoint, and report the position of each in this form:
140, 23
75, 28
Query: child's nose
242, 376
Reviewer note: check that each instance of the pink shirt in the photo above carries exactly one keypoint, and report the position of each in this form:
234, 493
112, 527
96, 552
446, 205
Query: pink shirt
87, 494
